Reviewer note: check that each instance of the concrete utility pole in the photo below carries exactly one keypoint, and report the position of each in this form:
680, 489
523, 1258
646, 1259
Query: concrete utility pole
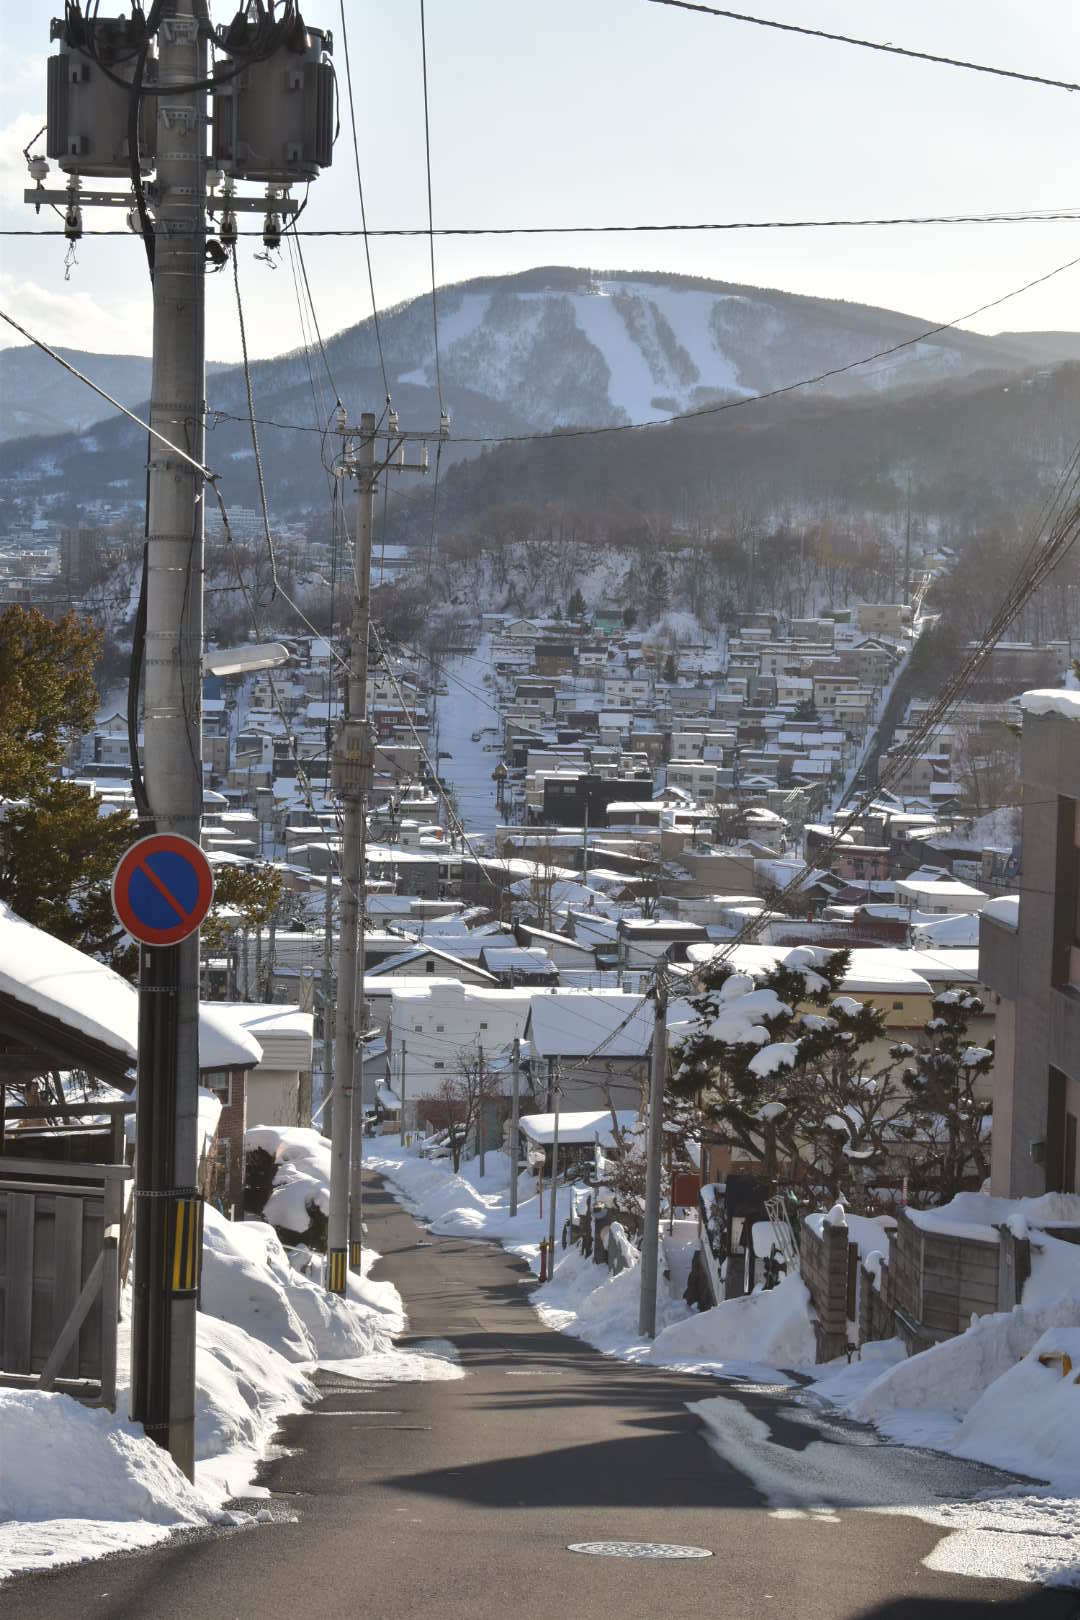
328, 982
167, 1094
514, 1123
352, 768
651, 1236
351, 778
480, 1111
402, 1094
556, 1088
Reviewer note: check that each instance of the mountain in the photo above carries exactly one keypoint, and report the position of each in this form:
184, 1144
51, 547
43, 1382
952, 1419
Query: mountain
40, 398
525, 353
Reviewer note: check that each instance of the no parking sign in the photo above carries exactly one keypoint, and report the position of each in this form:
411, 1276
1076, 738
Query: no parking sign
162, 889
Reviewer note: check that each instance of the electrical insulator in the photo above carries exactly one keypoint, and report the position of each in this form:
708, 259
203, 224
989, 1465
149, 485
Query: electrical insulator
271, 229
88, 113
274, 114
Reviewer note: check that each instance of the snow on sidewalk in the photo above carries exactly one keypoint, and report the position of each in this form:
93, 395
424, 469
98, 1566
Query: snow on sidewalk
749, 1338
262, 1329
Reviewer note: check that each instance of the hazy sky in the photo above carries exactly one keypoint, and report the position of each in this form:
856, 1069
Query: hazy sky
582, 111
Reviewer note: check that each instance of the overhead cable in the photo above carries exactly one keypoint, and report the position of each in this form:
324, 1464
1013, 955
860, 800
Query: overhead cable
1035, 216
868, 44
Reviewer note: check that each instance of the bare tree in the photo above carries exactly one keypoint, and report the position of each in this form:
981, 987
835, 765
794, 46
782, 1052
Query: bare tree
457, 1106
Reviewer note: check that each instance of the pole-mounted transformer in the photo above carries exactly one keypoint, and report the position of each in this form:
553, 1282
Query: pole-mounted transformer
274, 114
88, 112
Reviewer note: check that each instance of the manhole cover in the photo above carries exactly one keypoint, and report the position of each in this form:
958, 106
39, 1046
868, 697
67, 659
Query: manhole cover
638, 1549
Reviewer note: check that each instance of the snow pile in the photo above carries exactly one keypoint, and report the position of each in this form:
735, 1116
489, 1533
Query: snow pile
54, 1448
302, 1177
248, 1280
1029, 1418
262, 1327
770, 1328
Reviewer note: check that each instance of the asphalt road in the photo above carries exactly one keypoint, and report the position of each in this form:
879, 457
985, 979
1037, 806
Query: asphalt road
458, 1500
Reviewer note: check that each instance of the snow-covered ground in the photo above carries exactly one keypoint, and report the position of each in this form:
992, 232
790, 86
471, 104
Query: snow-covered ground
76, 1483
982, 1397
467, 706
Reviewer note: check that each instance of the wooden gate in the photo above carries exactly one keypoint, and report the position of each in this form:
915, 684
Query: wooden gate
62, 1228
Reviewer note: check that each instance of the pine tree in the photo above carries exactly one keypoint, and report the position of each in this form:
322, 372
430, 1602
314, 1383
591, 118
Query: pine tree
57, 851
945, 1122
778, 1067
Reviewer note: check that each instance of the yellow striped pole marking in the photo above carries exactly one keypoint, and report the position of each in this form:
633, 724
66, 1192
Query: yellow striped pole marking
356, 1255
337, 1270
184, 1249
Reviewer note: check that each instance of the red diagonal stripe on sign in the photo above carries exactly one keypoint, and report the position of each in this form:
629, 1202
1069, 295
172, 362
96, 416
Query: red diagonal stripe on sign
162, 890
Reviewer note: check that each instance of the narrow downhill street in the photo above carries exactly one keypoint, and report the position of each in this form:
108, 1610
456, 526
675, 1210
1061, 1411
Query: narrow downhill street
460, 1498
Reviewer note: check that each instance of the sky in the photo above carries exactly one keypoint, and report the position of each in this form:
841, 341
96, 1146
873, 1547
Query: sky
611, 111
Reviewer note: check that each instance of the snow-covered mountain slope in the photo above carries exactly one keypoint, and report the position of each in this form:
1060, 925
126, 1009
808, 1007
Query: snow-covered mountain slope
555, 346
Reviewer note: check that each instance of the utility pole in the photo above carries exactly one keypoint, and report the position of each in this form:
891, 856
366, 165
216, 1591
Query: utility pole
480, 1110
105, 122
556, 1088
328, 982
651, 1236
351, 772
907, 546
167, 1091
351, 780
403, 1094
514, 1124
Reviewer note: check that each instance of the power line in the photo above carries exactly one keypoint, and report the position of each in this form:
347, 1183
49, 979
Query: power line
363, 214
1069, 215
104, 394
868, 44
431, 217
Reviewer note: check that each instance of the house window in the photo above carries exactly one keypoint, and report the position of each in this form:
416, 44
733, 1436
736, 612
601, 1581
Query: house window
438, 1065
439, 1028
419, 1029
483, 1026
898, 1006
429, 965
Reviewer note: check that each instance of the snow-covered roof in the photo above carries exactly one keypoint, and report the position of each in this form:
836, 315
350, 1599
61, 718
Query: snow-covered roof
518, 959
1004, 909
1048, 700
573, 1023
50, 977
576, 1128
872, 970
285, 1034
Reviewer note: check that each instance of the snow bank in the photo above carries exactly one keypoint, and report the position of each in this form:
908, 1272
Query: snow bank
773, 1328
1029, 1418
262, 1327
950, 1377
303, 1173
248, 1280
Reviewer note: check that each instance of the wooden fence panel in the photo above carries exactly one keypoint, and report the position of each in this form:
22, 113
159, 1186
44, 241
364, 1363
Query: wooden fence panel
18, 1281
